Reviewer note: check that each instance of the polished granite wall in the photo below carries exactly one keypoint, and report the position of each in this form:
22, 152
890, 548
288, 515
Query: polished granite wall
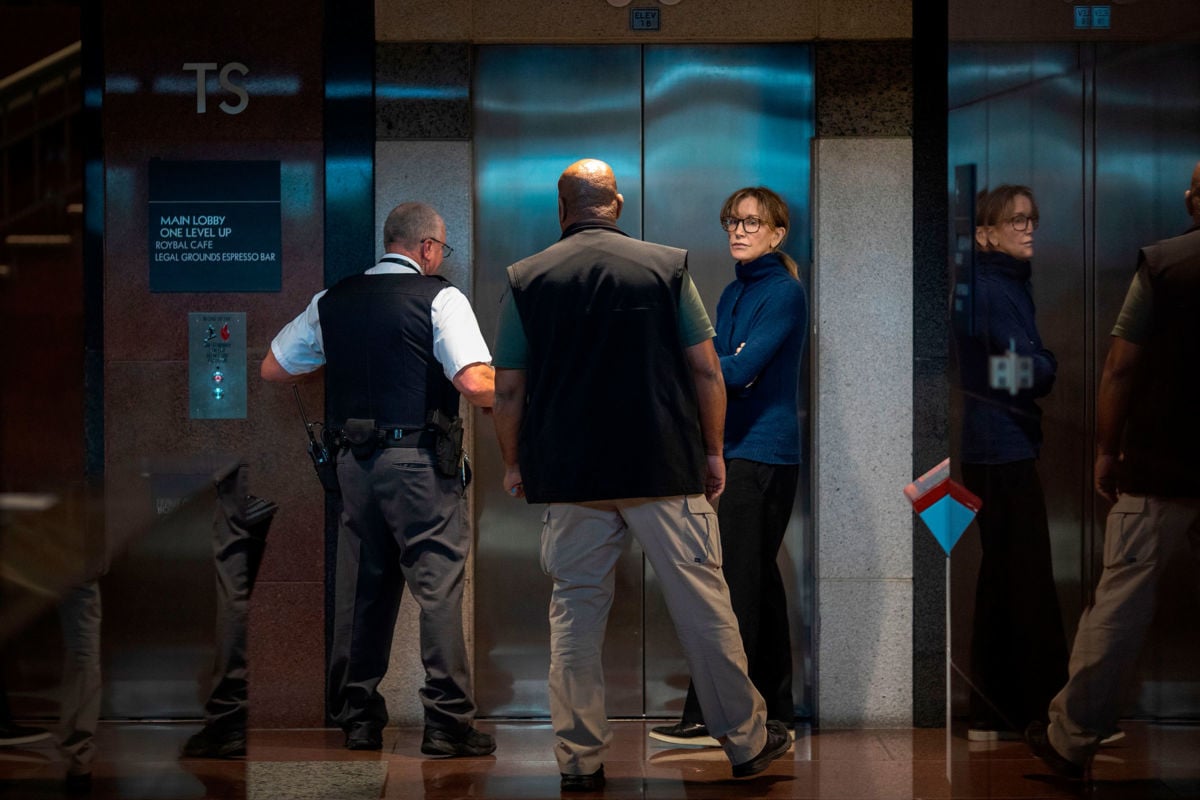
150, 111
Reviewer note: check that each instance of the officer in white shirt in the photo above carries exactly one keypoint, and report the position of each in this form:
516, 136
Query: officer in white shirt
399, 345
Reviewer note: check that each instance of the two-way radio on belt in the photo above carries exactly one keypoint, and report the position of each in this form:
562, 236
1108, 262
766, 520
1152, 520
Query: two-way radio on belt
318, 450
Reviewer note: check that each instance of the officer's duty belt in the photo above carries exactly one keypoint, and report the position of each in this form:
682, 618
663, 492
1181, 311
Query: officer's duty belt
394, 436
399, 437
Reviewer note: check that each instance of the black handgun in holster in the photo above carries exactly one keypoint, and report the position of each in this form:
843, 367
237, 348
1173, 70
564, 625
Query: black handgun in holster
449, 448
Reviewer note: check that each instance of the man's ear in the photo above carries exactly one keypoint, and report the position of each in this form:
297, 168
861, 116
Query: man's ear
562, 210
620, 204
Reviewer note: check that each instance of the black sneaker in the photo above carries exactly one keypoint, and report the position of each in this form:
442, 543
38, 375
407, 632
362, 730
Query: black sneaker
364, 736
693, 734
779, 741
437, 742
583, 783
1039, 743
12, 734
209, 743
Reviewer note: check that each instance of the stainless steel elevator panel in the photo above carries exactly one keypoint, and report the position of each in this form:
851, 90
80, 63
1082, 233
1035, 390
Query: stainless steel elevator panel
718, 118
1147, 143
704, 121
537, 110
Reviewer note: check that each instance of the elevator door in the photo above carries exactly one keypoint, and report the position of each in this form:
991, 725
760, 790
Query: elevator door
682, 127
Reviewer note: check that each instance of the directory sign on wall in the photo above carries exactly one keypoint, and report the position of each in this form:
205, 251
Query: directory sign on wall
214, 226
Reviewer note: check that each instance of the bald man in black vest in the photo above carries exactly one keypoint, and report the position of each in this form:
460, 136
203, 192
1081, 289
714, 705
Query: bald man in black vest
610, 407
1148, 466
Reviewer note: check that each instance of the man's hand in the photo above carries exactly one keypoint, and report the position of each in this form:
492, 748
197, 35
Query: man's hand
513, 484
1106, 476
714, 479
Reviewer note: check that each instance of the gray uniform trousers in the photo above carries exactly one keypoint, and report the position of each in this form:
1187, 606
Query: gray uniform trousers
1143, 535
79, 699
238, 547
400, 525
679, 535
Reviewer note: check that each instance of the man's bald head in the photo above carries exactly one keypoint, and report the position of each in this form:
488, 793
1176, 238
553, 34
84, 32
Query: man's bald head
588, 190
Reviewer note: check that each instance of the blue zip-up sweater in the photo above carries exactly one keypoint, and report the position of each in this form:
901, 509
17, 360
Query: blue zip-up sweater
999, 427
767, 309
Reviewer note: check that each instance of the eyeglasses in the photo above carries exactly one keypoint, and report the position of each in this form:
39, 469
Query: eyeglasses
446, 249
1021, 223
749, 224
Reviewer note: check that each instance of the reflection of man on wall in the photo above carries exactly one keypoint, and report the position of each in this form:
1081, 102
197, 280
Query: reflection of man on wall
610, 406
1148, 464
397, 343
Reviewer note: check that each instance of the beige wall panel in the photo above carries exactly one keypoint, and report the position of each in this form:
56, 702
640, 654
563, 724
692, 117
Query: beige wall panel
1039, 20
865, 19
423, 20
595, 21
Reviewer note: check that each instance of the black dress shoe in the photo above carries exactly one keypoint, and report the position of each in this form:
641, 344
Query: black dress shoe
694, 734
210, 743
1039, 742
779, 741
78, 783
364, 736
583, 783
437, 742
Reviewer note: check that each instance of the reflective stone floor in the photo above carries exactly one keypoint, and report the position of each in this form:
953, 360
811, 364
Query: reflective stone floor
138, 760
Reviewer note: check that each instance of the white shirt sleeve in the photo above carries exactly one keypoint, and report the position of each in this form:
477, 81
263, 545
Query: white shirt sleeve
299, 347
457, 340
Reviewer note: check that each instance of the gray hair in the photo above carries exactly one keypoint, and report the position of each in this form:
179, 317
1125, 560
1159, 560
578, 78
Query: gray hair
409, 223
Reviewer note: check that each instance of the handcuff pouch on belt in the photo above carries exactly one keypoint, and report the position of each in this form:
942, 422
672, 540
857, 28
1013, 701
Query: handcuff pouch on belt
361, 436
449, 448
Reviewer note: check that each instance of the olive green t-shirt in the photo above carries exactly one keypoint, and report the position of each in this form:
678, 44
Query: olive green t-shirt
1137, 314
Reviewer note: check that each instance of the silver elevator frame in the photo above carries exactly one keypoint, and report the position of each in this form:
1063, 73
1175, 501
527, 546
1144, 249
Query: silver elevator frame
682, 126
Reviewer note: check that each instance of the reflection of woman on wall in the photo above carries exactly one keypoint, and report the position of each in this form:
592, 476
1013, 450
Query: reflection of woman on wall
762, 318
1018, 648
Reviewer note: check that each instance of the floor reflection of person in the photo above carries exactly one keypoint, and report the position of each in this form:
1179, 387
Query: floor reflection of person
762, 318
1018, 646
1147, 440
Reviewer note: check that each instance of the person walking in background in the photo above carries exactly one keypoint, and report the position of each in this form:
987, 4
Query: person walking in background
1147, 441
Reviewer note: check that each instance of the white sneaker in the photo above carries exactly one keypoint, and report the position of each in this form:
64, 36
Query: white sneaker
989, 735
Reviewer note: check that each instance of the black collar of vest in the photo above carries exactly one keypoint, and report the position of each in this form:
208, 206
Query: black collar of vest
590, 224
399, 260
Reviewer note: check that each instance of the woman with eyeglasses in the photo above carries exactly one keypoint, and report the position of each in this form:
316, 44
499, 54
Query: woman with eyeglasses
1018, 647
762, 320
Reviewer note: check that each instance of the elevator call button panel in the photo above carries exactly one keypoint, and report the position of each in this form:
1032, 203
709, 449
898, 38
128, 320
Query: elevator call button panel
217, 365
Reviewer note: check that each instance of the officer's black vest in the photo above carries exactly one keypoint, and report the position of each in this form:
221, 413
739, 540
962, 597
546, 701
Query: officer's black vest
612, 409
379, 362
1161, 451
